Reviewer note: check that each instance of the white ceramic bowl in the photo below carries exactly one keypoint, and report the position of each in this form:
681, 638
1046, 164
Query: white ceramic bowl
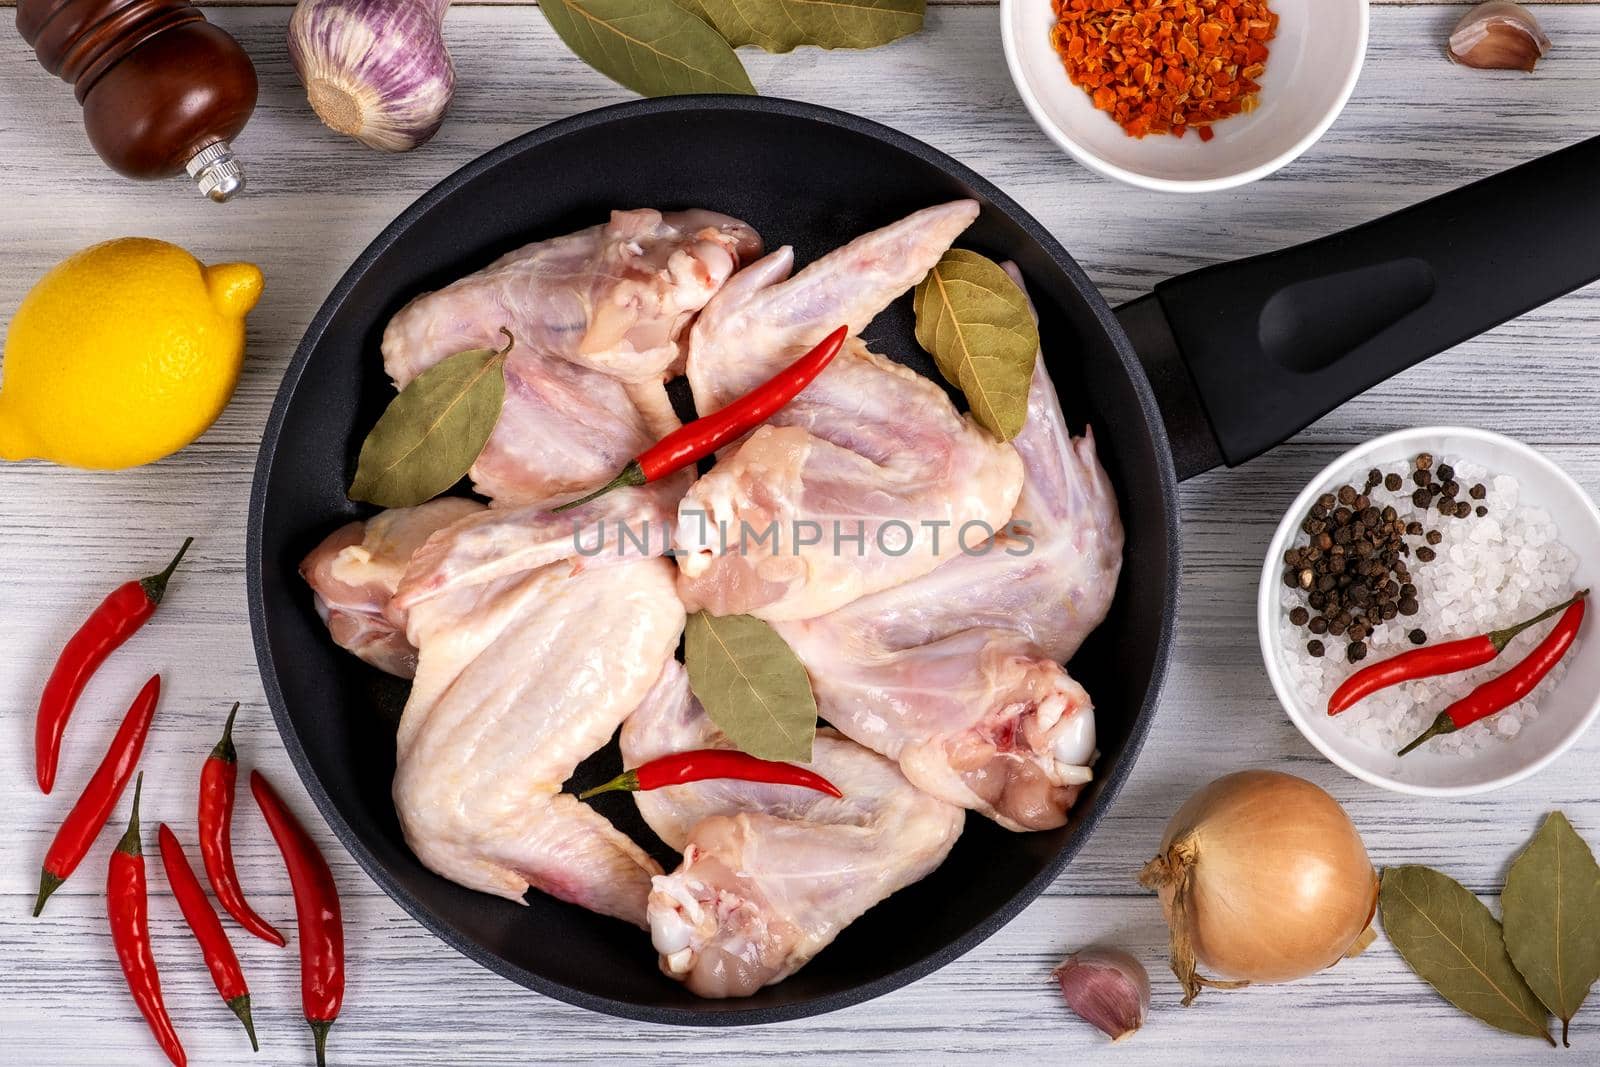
1310, 74
1564, 712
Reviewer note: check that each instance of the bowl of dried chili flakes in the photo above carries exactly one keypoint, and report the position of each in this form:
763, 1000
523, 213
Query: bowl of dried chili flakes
1185, 95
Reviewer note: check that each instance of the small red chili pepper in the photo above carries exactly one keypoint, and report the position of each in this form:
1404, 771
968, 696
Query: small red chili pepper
128, 907
88, 816
1448, 658
702, 437
118, 618
316, 909
1501, 692
218, 775
704, 763
207, 929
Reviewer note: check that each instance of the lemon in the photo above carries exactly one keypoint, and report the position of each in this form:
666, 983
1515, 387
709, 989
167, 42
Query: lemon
123, 354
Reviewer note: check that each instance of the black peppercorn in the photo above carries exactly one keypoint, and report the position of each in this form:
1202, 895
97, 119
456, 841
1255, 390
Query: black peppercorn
1347, 495
1463, 509
1326, 501
1425, 554
1417, 637
1319, 624
1422, 478
1446, 472
1424, 460
1482, 511
1315, 648
1356, 652
1393, 483
1420, 498
1409, 605
1335, 627
1374, 477
1299, 616
1478, 492
1450, 489
1434, 537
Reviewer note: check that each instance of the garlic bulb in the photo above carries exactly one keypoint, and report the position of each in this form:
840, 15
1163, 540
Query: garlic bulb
1500, 36
1106, 988
377, 70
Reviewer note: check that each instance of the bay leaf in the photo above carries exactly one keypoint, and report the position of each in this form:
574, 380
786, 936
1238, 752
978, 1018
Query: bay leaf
974, 321
1450, 939
752, 685
654, 47
432, 433
1551, 909
783, 25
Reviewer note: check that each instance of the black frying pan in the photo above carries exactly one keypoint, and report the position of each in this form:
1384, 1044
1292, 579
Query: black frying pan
1239, 357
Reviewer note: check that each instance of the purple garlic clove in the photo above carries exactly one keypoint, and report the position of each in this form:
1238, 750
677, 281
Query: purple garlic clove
1106, 988
1499, 35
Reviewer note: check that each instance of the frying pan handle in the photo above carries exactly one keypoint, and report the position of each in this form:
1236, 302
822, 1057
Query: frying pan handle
1244, 355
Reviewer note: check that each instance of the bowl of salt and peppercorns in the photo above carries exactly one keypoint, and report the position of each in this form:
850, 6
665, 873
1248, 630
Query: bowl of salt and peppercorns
1404, 545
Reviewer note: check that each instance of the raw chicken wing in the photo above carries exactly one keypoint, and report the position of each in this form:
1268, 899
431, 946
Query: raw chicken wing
596, 317
354, 571
958, 674
772, 873
868, 478
531, 653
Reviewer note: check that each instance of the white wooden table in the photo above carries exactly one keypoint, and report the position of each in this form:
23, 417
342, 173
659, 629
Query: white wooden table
1417, 126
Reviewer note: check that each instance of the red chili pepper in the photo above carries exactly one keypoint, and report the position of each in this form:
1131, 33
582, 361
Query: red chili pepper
128, 907
218, 775
702, 437
316, 909
1448, 658
118, 618
704, 763
207, 928
1501, 692
88, 816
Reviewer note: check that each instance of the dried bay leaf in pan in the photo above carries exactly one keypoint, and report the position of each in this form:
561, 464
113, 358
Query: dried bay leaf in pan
431, 434
654, 47
783, 25
974, 321
752, 685
1551, 906
1450, 939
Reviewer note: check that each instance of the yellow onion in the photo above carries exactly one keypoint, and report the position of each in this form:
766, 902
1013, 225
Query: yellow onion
1263, 878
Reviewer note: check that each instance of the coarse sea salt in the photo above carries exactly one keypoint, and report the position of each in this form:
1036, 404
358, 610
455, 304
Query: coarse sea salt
1489, 573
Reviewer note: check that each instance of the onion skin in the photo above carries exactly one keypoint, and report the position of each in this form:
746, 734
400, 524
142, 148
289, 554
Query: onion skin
1263, 878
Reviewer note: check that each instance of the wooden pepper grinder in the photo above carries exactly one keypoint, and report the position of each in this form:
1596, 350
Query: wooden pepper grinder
162, 89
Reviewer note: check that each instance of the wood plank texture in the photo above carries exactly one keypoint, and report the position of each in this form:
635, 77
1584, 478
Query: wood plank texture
1417, 126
